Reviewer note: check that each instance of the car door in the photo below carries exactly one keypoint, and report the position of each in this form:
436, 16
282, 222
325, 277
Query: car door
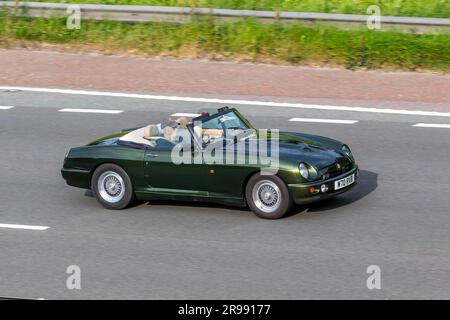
226, 180
164, 176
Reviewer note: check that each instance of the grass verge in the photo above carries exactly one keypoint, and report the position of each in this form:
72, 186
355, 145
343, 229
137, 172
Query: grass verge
244, 40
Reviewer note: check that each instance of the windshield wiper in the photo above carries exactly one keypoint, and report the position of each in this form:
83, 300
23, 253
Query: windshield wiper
236, 128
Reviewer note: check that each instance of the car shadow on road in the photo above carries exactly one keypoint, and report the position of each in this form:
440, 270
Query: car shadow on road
367, 183
194, 204
176, 203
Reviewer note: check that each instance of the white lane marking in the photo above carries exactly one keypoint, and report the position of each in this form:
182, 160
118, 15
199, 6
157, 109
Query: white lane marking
323, 121
23, 227
432, 125
91, 111
189, 115
6, 107
233, 102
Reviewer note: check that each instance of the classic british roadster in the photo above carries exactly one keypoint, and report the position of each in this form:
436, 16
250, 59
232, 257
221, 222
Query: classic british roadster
216, 157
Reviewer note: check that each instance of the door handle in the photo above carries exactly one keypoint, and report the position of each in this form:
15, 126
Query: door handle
151, 155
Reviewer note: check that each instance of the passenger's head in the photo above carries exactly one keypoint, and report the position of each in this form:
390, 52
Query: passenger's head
182, 122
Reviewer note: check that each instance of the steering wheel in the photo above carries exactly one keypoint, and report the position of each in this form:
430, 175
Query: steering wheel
206, 138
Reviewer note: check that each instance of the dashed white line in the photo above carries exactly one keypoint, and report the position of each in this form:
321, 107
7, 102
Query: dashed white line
6, 107
92, 111
23, 227
323, 121
232, 102
189, 115
432, 125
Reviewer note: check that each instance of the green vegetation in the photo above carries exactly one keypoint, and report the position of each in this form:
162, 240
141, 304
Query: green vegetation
414, 8
244, 40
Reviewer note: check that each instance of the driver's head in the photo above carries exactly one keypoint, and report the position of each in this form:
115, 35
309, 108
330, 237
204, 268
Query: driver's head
168, 127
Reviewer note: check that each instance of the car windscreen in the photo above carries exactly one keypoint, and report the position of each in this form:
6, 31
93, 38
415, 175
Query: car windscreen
224, 126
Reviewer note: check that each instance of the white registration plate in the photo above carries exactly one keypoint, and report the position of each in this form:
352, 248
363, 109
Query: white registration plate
341, 184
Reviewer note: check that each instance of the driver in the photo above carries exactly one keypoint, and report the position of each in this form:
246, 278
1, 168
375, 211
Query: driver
168, 129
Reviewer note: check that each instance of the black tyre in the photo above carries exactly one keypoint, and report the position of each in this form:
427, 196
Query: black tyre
268, 196
112, 187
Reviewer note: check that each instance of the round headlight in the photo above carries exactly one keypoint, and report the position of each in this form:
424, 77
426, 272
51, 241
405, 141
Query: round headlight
304, 170
345, 149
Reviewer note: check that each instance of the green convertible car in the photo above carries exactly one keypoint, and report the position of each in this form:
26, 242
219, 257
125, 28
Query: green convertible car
214, 157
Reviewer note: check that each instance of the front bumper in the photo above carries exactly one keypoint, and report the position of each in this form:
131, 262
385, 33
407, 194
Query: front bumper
301, 193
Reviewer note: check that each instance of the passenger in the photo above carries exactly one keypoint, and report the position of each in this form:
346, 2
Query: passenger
182, 122
182, 134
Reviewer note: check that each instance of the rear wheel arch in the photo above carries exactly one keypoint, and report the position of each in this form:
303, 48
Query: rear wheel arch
92, 171
121, 194
98, 165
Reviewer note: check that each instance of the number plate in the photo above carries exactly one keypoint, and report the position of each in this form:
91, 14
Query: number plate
341, 184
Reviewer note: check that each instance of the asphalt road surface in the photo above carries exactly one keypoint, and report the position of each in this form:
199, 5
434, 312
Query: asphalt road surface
397, 218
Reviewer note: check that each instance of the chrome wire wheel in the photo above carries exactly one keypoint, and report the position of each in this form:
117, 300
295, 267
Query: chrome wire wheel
266, 196
111, 187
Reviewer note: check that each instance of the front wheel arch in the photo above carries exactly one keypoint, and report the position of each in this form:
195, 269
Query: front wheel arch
247, 179
245, 182
284, 192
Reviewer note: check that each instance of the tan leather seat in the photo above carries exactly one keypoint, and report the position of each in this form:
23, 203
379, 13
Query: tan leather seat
151, 132
136, 136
